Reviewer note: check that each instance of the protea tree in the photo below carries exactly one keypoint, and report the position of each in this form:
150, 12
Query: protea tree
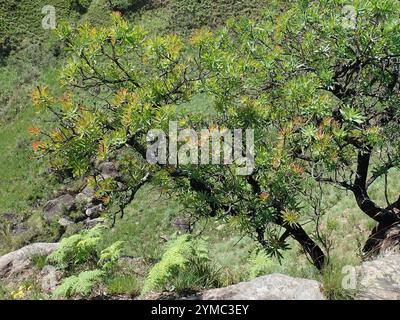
319, 88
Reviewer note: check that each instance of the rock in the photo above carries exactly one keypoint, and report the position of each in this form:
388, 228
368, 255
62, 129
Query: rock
93, 222
14, 222
65, 222
19, 228
82, 200
108, 170
379, 279
85, 196
391, 241
182, 224
18, 260
55, 206
94, 211
164, 238
50, 278
270, 287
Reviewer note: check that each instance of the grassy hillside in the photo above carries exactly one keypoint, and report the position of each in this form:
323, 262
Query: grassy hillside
30, 56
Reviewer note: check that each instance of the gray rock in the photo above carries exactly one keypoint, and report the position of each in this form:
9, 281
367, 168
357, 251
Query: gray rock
55, 206
85, 196
18, 260
93, 222
50, 278
14, 222
82, 200
108, 170
270, 287
65, 222
379, 279
391, 240
94, 211
19, 228
88, 191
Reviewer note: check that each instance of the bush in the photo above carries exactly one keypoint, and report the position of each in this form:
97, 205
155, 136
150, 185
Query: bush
81, 284
78, 249
184, 265
258, 264
80, 252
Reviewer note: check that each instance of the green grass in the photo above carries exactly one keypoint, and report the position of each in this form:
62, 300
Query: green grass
123, 284
146, 221
24, 179
3, 292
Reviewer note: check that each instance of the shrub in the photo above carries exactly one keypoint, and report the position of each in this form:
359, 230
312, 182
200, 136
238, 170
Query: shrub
78, 249
258, 264
79, 252
81, 284
321, 99
186, 261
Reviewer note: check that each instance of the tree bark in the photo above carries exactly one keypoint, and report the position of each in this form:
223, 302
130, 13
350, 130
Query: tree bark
309, 246
379, 233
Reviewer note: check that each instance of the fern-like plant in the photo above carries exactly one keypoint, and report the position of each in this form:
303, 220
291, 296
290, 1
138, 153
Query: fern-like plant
80, 251
181, 254
77, 249
81, 284
259, 264
110, 255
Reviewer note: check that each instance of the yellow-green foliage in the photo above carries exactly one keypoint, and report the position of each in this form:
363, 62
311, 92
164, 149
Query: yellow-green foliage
110, 255
258, 264
78, 248
179, 255
81, 284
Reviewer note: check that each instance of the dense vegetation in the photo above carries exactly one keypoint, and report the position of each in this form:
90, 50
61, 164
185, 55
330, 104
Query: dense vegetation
321, 96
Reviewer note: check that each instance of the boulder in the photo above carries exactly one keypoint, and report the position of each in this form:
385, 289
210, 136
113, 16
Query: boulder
16, 261
50, 278
55, 206
65, 222
94, 211
270, 287
93, 222
85, 196
108, 170
379, 279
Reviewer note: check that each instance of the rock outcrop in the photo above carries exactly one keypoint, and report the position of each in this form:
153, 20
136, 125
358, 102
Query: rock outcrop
108, 170
83, 201
16, 261
50, 278
379, 279
64, 202
270, 287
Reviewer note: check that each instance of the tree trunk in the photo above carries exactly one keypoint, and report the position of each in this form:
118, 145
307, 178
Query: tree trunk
309, 246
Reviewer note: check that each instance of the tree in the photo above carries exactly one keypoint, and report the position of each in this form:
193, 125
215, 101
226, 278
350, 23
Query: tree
321, 95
